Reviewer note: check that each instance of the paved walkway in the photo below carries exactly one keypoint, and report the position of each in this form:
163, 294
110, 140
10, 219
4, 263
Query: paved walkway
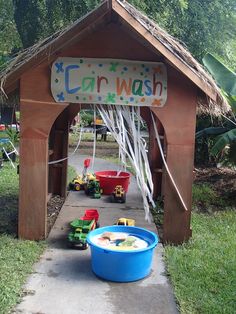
63, 281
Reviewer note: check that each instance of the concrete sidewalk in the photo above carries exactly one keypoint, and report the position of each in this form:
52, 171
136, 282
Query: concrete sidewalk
63, 281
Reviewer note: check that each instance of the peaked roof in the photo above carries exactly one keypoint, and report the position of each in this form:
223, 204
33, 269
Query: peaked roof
160, 40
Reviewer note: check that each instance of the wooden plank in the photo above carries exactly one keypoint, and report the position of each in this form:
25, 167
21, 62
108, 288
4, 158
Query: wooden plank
177, 62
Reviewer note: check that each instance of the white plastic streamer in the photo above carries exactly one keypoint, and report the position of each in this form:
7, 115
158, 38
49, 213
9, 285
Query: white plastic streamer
120, 120
94, 136
165, 164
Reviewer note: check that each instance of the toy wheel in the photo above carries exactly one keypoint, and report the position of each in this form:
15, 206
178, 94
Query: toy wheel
77, 187
71, 186
83, 246
113, 199
70, 245
123, 199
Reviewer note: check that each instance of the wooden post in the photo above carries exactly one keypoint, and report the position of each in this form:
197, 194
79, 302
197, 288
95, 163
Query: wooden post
178, 118
35, 126
33, 187
176, 227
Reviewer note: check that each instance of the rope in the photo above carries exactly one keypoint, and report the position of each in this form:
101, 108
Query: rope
63, 159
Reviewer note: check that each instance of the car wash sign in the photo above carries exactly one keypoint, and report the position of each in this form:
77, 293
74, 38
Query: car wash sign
109, 81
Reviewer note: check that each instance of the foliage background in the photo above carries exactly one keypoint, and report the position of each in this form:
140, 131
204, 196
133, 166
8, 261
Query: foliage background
203, 26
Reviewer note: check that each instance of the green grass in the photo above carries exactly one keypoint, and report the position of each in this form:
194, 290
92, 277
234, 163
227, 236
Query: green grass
207, 199
16, 257
203, 193
71, 174
16, 261
9, 191
89, 137
203, 271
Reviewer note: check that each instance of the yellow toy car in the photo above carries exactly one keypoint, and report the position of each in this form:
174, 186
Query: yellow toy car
125, 222
80, 181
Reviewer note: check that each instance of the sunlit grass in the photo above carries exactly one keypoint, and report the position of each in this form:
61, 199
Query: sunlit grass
203, 271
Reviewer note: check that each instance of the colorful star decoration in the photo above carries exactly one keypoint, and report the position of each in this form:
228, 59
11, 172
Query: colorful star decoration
111, 98
61, 96
157, 70
59, 67
156, 102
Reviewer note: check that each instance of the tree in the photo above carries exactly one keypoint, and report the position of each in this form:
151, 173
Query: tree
208, 25
29, 18
11, 42
225, 143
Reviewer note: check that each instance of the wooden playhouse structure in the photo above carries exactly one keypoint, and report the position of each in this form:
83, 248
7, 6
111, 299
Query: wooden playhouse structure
114, 30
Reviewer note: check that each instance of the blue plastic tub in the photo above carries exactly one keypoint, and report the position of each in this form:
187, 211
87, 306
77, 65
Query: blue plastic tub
122, 266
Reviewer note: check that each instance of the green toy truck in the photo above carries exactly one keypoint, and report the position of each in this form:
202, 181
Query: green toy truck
93, 189
79, 231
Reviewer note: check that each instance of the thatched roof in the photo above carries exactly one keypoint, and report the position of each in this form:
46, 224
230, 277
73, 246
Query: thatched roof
168, 46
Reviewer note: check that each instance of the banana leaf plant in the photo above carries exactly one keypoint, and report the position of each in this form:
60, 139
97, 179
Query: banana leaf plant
226, 135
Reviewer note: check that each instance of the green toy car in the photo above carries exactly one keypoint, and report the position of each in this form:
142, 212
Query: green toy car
93, 189
79, 231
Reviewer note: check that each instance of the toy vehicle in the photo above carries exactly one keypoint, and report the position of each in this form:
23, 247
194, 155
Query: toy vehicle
80, 182
125, 222
119, 195
91, 214
77, 183
79, 231
93, 188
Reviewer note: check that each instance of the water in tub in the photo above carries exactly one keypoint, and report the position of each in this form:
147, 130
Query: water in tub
120, 241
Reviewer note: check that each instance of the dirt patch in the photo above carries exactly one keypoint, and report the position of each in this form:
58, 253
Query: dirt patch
54, 206
104, 149
221, 180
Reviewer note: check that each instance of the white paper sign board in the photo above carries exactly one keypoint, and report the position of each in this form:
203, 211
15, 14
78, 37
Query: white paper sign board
109, 81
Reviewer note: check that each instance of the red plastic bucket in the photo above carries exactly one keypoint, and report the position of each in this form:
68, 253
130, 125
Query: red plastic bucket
109, 180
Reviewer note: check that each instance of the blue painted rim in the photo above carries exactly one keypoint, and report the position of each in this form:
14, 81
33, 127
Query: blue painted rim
128, 229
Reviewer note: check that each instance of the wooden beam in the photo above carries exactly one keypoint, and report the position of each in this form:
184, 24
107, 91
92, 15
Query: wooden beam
137, 27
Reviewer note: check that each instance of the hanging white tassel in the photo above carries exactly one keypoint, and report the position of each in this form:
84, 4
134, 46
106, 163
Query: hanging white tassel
117, 118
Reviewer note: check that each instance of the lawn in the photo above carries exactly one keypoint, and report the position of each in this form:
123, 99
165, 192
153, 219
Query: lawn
16, 256
203, 271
